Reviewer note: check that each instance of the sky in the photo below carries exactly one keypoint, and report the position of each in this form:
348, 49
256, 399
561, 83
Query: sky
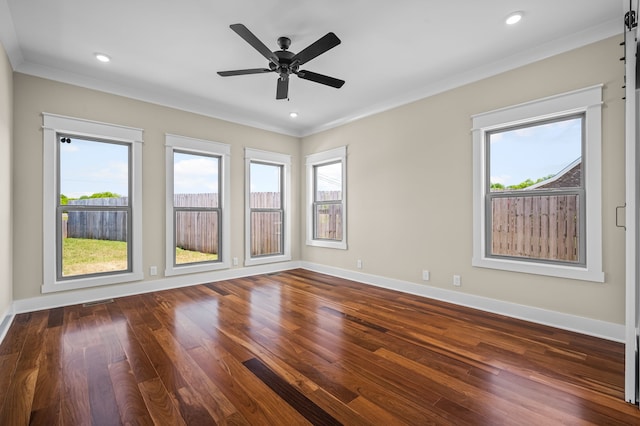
88, 167
195, 174
329, 177
265, 177
534, 152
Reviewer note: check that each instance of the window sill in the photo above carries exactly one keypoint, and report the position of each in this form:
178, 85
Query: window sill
559, 271
340, 245
191, 269
81, 283
267, 259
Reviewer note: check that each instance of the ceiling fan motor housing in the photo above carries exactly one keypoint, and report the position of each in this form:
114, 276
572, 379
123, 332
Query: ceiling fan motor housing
285, 59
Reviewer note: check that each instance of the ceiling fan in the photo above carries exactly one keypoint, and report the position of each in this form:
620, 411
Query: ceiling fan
286, 63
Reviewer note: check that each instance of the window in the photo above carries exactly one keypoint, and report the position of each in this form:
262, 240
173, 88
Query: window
540, 218
537, 201
92, 204
267, 220
326, 199
197, 227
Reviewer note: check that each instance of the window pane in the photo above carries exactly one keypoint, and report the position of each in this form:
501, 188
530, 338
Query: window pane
93, 242
328, 182
328, 219
536, 227
542, 156
266, 233
93, 174
196, 236
196, 180
266, 186
93, 168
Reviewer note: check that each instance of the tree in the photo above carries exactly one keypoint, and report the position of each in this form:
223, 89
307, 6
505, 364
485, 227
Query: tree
527, 183
106, 194
524, 184
64, 200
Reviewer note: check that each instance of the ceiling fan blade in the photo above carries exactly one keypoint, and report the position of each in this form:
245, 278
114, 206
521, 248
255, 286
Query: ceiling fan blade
244, 72
248, 36
320, 78
282, 91
329, 41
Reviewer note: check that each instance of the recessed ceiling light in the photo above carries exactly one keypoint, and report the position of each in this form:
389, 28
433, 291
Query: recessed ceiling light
293, 114
514, 18
102, 57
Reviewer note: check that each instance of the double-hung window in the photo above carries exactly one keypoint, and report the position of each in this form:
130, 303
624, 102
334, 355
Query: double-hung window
197, 218
92, 203
327, 199
537, 187
267, 219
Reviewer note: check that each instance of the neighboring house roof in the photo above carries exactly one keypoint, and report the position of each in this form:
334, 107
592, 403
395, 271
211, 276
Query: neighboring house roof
569, 177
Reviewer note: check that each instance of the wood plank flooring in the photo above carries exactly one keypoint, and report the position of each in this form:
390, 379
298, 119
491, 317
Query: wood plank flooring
298, 348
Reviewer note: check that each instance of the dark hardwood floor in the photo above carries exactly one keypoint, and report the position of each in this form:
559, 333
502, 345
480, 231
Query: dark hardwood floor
301, 348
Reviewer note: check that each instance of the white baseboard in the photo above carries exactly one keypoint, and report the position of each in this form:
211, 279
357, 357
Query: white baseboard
66, 298
588, 326
5, 322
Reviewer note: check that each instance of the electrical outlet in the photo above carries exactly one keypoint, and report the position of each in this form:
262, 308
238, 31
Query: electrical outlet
153, 270
359, 263
456, 280
425, 275
235, 261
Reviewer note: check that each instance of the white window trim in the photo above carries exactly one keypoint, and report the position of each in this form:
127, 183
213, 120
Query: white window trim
274, 158
336, 154
52, 125
197, 146
587, 101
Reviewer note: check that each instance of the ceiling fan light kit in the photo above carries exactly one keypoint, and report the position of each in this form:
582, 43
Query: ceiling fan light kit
284, 63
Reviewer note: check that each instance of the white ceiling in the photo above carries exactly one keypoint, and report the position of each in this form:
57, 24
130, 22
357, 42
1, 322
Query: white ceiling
392, 52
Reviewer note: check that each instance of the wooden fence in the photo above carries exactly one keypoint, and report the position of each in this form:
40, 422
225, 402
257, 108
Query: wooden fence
329, 222
540, 227
196, 200
266, 233
195, 230
266, 226
329, 217
96, 225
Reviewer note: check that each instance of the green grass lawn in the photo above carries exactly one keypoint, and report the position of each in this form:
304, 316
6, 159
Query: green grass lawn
188, 256
86, 256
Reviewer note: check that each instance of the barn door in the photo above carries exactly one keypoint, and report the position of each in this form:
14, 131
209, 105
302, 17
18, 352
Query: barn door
632, 167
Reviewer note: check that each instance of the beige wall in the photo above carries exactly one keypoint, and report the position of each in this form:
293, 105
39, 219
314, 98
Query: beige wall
409, 180
35, 95
409, 184
6, 142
